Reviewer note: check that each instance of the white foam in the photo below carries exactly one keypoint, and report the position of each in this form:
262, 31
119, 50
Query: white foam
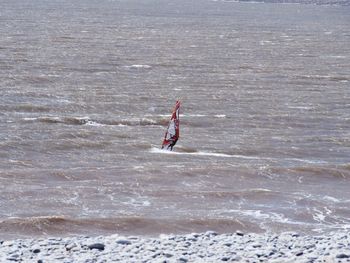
301, 107
139, 203
158, 150
260, 215
220, 116
30, 119
249, 157
193, 115
211, 154
93, 123
331, 198
318, 216
260, 190
307, 161
333, 56
300, 179
200, 153
136, 66
146, 203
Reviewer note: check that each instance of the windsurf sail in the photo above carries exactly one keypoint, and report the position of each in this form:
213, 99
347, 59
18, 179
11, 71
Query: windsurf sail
173, 131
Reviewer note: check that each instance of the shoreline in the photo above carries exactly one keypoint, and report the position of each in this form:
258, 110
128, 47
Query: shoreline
194, 247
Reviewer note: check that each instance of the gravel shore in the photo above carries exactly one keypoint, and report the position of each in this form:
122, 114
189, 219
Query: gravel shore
203, 247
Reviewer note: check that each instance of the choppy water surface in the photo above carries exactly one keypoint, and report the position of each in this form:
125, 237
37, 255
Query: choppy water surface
87, 88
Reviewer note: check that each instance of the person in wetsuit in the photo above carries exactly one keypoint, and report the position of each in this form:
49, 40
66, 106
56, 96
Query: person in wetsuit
172, 144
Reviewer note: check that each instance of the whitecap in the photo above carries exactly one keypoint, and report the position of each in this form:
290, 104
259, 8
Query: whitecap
318, 216
260, 190
300, 107
306, 161
211, 154
193, 115
220, 116
139, 66
30, 119
93, 123
331, 198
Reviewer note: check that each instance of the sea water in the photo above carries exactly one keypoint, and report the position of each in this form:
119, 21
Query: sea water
87, 89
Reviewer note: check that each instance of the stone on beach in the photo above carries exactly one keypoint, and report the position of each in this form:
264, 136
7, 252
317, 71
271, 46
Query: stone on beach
239, 233
98, 246
36, 250
342, 256
70, 246
123, 242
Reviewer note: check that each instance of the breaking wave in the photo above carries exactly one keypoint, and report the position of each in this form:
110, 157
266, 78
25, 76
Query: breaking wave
149, 120
55, 225
95, 122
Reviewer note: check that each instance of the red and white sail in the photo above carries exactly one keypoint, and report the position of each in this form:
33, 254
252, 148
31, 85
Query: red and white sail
172, 133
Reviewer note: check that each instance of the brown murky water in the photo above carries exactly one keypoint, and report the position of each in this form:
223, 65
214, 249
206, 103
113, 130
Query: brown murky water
87, 88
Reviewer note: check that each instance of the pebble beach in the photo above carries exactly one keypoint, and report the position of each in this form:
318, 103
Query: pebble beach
195, 247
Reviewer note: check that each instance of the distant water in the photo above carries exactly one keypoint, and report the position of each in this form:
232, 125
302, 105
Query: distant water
87, 88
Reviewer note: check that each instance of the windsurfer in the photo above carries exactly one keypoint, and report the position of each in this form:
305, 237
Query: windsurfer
170, 145
172, 133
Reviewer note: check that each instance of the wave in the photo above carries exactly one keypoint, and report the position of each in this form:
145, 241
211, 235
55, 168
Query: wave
14, 228
160, 151
315, 170
183, 115
149, 120
137, 122
323, 77
255, 194
137, 66
97, 122
56, 119
190, 151
25, 108
334, 172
